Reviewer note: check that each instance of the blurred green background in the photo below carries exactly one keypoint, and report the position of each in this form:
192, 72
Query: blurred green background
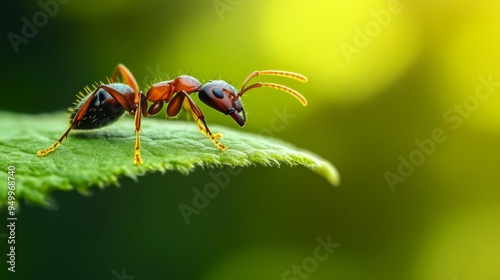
383, 75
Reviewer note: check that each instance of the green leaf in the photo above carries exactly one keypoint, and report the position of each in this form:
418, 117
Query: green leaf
101, 156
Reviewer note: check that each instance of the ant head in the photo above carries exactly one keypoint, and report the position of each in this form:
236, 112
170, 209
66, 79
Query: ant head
224, 98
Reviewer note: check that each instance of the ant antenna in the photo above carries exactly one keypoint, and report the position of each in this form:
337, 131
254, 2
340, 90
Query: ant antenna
292, 75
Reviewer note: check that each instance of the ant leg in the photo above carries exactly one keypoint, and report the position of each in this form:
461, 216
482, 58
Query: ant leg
187, 108
137, 122
42, 153
76, 119
127, 76
142, 106
139, 99
175, 106
137, 109
79, 115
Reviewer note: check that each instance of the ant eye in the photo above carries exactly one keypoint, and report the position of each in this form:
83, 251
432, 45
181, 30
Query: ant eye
218, 93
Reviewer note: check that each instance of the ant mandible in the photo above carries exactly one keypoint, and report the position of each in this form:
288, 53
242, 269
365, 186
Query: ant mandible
108, 102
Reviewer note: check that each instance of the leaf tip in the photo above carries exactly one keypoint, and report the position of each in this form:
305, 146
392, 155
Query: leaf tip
328, 171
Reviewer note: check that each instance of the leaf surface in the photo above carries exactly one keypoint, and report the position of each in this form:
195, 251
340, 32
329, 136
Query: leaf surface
100, 157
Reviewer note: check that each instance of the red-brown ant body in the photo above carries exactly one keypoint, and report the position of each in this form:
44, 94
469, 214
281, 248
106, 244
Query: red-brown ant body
107, 102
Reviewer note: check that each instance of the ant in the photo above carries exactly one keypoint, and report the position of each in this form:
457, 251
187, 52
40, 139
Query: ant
108, 102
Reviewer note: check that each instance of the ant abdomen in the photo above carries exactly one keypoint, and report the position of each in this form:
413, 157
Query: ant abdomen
102, 110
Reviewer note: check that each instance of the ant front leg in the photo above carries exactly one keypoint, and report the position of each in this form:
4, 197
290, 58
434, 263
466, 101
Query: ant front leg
175, 106
187, 108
